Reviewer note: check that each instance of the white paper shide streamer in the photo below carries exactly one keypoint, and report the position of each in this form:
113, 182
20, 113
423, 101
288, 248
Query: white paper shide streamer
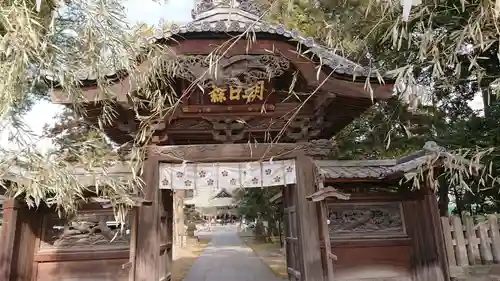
407, 4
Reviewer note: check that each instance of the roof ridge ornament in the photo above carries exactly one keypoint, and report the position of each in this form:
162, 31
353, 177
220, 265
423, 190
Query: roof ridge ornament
249, 6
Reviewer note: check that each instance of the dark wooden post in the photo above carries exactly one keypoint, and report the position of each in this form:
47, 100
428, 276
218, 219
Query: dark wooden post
429, 260
18, 240
310, 248
147, 239
431, 205
8, 237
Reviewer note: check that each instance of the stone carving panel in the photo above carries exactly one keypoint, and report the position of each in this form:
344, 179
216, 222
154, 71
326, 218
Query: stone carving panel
366, 220
88, 230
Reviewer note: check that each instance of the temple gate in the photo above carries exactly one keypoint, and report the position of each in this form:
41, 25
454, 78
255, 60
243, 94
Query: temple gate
271, 96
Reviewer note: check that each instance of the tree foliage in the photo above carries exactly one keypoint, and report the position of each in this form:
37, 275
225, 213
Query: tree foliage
77, 141
254, 205
444, 56
60, 41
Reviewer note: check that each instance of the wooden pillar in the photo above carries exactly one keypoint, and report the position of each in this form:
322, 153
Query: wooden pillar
147, 239
434, 221
309, 240
325, 234
18, 240
8, 238
429, 260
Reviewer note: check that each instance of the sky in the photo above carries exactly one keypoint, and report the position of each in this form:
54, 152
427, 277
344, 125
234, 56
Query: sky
138, 11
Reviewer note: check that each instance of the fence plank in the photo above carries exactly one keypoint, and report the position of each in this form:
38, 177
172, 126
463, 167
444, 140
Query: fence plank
460, 249
448, 241
484, 245
495, 237
472, 241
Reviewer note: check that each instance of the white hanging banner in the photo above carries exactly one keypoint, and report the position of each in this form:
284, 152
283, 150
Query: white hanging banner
229, 176
251, 174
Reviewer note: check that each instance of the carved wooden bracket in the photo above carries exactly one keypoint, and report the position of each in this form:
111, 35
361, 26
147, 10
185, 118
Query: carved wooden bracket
159, 139
323, 100
227, 130
160, 135
304, 128
328, 192
319, 149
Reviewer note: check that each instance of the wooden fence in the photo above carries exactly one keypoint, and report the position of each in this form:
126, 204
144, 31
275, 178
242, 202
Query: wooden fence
471, 241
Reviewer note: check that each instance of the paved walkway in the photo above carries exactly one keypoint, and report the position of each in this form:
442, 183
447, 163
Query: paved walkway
227, 258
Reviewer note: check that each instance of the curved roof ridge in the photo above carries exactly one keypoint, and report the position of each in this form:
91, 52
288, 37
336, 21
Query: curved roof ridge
220, 16
227, 18
206, 6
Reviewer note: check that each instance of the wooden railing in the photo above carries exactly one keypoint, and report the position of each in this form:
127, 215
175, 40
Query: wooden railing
472, 244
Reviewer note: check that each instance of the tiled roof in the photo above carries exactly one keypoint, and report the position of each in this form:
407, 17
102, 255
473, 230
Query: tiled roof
378, 169
224, 193
223, 18
216, 202
356, 169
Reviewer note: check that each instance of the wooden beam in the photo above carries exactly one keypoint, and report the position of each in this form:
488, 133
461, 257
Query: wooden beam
227, 152
239, 152
327, 192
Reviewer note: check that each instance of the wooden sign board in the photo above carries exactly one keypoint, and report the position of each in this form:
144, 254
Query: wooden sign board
231, 99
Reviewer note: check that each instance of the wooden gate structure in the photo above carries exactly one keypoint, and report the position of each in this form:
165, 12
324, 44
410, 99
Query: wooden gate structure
246, 102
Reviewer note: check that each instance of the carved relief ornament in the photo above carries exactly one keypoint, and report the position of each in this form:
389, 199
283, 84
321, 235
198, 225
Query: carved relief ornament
244, 5
236, 70
83, 231
366, 220
315, 149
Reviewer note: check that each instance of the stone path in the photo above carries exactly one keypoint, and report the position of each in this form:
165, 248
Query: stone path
227, 258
